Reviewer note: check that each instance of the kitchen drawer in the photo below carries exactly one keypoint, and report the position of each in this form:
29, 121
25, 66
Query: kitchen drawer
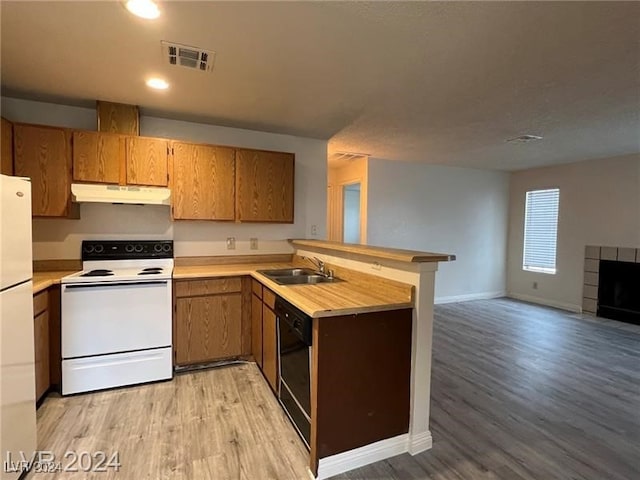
269, 298
256, 286
193, 288
40, 303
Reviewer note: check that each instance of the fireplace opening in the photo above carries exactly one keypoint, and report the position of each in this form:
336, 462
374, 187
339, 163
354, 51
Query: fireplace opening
619, 291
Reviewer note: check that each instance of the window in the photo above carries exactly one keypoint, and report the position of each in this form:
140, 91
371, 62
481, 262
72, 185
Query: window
541, 230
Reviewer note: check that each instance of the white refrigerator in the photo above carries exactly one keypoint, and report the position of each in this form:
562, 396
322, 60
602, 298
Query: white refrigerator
17, 364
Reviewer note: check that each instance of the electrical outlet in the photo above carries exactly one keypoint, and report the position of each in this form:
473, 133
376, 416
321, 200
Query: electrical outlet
253, 243
231, 243
314, 230
535, 285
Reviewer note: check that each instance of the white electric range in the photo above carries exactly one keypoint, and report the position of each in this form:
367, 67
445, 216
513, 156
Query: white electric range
116, 316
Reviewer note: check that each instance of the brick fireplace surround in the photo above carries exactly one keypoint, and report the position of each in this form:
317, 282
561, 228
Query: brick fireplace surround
592, 257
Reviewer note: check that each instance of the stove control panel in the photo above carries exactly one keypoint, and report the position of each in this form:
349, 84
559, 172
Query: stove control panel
126, 249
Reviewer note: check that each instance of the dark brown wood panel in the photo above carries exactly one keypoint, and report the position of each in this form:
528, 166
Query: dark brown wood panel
6, 149
208, 328
41, 345
362, 394
55, 339
256, 329
118, 118
203, 182
192, 288
269, 347
44, 155
264, 186
40, 303
147, 161
97, 157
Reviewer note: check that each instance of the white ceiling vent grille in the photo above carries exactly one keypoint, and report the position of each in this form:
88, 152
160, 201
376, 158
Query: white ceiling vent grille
194, 58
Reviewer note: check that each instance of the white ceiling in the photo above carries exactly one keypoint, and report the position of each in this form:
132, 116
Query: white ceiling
422, 81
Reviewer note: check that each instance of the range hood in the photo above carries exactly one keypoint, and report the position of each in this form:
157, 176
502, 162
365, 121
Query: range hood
85, 193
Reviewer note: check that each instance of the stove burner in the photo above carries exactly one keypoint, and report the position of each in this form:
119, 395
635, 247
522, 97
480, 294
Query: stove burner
150, 272
98, 273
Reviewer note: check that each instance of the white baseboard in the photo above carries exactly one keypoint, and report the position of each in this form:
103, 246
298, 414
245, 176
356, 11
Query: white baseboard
359, 457
467, 297
549, 303
420, 442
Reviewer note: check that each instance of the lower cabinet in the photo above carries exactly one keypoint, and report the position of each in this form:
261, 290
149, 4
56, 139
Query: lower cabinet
41, 342
208, 320
256, 329
264, 344
269, 347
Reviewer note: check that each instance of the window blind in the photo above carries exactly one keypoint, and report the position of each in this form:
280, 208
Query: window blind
541, 230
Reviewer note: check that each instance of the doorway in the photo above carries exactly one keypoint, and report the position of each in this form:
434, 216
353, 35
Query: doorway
351, 213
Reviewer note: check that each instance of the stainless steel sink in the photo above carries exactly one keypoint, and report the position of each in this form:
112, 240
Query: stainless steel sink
287, 272
305, 280
297, 276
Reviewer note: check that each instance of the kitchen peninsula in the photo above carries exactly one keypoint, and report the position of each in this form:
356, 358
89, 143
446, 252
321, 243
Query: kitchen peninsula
371, 355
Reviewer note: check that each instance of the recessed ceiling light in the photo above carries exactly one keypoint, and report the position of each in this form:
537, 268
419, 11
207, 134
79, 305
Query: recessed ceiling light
143, 8
157, 83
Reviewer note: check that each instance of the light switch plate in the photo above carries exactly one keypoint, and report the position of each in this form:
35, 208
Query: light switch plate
231, 243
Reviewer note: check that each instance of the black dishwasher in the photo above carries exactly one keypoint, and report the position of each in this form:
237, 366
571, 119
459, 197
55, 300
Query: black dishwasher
294, 349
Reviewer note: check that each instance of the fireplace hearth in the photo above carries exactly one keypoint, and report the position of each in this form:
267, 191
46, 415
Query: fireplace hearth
619, 291
612, 283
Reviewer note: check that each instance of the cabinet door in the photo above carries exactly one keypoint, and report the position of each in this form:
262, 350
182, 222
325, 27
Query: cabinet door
203, 183
41, 344
269, 347
97, 157
256, 329
264, 186
208, 328
147, 161
6, 155
44, 155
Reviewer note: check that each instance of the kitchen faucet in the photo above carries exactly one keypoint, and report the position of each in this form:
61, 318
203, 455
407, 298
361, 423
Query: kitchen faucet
318, 263
321, 267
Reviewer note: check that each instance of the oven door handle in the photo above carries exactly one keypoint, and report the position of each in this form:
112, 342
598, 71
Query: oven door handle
116, 284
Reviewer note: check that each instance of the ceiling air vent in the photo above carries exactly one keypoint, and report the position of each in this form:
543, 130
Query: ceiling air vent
194, 58
524, 139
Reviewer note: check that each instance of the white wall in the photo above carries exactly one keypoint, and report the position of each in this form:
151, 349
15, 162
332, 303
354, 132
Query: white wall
444, 209
599, 205
55, 238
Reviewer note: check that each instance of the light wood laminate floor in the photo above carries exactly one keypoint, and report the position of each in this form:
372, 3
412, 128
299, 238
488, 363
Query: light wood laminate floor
216, 424
518, 392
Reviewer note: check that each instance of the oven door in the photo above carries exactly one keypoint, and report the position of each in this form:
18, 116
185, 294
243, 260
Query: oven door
115, 317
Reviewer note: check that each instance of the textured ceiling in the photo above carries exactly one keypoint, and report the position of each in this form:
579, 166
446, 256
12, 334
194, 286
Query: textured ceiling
422, 81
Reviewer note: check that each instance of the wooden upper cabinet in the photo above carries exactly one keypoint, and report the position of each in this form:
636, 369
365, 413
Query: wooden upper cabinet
264, 186
97, 157
44, 155
6, 158
147, 161
203, 182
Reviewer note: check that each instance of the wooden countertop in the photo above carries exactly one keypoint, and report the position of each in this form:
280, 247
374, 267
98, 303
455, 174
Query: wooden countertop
382, 253
43, 280
320, 300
